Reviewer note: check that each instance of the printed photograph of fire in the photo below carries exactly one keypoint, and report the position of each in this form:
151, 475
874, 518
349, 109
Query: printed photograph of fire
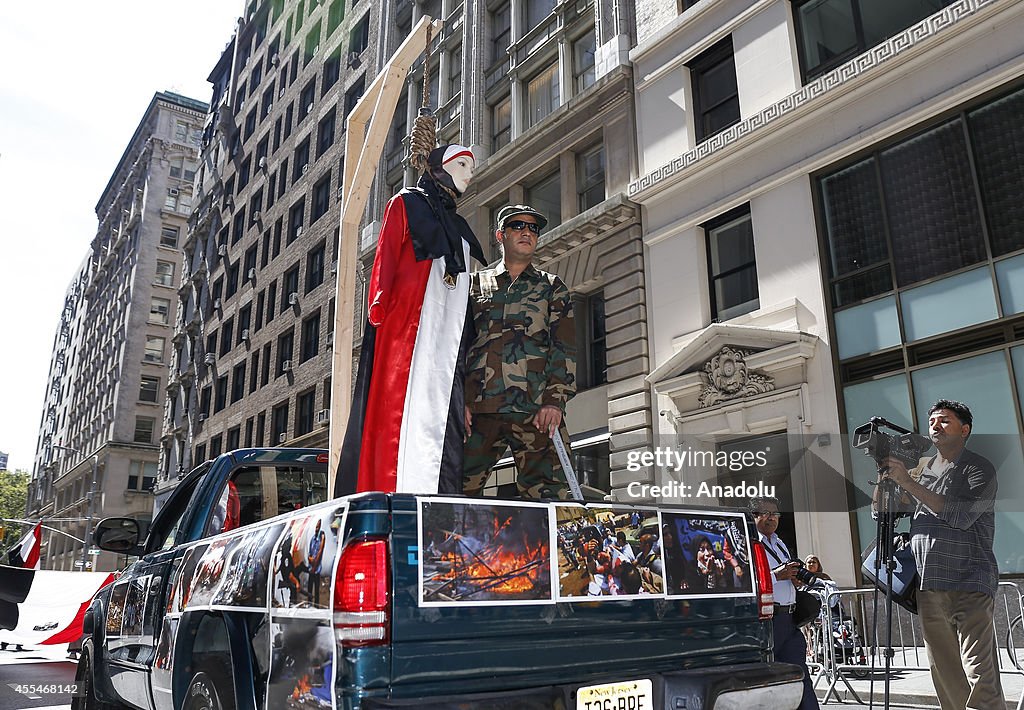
115, 611
484, 553
706, 555
302, 663
302, 562
248, 567
208, 575
164, 661
182, 580
608, 552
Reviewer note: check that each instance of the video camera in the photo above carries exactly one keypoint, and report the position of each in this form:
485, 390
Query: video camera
904, 445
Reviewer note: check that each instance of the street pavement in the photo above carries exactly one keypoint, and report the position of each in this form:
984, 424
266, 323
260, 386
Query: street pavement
36, 679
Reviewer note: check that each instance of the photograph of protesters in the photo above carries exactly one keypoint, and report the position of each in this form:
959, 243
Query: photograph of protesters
303, 561
248, 565
707, 555
208, 574
607, 552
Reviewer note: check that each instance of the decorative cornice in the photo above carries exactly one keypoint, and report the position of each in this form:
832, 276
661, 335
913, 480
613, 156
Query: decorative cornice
826, 84
726, 376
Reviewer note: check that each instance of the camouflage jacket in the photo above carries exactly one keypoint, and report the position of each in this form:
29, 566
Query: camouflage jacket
523, 352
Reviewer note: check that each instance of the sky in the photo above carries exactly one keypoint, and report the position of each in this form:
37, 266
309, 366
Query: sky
77, 78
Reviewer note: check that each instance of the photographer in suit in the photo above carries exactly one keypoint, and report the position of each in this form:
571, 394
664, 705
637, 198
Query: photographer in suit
952, 531
790, 644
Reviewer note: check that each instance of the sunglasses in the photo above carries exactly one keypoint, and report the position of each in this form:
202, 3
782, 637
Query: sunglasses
519, 225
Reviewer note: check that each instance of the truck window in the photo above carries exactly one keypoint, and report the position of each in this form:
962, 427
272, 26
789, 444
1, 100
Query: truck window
255, 493
164, 529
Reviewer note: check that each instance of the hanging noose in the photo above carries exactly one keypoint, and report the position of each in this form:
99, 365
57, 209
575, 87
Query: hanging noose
424, 129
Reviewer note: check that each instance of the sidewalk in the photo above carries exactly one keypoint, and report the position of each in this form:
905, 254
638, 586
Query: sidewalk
906, 687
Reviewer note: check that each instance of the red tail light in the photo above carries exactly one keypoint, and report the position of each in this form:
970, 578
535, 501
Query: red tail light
361, 594
765, 585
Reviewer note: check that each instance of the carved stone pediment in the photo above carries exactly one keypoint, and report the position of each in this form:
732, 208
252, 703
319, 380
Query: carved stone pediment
726, 376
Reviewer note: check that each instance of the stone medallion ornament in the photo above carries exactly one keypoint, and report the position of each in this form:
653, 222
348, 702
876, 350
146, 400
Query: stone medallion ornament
725, 377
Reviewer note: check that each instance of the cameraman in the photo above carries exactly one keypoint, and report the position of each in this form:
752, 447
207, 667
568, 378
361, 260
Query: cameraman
951, 535
790, 644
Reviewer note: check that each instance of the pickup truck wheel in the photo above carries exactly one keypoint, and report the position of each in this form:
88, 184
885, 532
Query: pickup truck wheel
86, 698
204, 693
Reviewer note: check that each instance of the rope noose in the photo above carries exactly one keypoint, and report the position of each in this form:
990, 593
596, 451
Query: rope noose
424, 129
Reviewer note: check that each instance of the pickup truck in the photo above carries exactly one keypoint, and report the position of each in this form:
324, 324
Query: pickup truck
253, 589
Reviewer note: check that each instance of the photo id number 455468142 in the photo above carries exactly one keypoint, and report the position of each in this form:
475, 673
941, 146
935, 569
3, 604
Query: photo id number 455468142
625, 695
40, 689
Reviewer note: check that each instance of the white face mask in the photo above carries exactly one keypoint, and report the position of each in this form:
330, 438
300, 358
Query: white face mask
461, 169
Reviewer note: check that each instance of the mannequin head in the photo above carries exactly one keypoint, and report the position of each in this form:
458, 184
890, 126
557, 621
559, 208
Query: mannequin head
452, 166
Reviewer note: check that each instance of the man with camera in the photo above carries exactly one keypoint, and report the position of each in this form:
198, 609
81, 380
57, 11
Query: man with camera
952, 531
790, 644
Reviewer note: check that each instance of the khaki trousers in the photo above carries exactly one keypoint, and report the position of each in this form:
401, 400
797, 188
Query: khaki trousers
962, 651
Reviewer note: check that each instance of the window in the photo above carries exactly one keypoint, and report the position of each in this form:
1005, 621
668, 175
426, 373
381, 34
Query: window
259, 310
216, 446
217, 290
265, 372
830, 32
335, 14
144, 427
321, 198
200, 454
359, 38
542, 95
232, 441
154, 349
283, 183
254, 371
268, 101
306, 100
288, 117
277, 136
250, 260
244, 317
546, 196
592, 367
204, 400
289, 285
312, 44
271, 300
501, 123
148, 388
732, 269
716, 99
238, 382
285, 344
181, 132
454, 71
261, 426
590, 177
238, 226
171, 201
164, 273
279, 424
332, 70
537, 11
315, 267
325, 133
141, 475
305, 405
501, 33
160, 311
183, 169
301, 160
295, 217
583, 66
168, 236
355, 93
244, 173
220, 397
231, 276
310, 337
250, 123
226, 334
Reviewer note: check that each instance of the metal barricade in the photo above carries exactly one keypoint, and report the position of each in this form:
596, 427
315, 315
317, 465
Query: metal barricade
842, 643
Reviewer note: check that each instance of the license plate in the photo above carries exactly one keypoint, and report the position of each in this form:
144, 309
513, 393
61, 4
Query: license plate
626, 695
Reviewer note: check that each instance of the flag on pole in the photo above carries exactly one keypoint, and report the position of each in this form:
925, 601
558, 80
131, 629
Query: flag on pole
26, 553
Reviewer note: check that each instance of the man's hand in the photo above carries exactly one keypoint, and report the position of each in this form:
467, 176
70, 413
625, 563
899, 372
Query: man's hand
469, 425
786, 571
548, 419
897, 472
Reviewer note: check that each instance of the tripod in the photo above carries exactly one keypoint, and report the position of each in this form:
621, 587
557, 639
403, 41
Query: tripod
885, 532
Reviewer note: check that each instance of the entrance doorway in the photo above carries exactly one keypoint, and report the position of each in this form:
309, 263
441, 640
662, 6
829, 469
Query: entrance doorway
776, 473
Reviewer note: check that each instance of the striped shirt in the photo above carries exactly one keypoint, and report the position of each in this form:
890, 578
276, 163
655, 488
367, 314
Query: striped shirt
953, 549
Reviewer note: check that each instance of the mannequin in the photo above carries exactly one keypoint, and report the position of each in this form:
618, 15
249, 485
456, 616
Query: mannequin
406, 427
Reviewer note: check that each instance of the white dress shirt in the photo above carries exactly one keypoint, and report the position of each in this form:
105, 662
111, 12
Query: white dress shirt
778, 553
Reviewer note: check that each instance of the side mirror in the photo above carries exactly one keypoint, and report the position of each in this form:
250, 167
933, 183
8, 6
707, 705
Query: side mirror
119, 535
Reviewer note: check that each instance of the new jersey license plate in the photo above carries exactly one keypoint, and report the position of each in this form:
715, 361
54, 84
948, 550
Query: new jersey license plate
626, 695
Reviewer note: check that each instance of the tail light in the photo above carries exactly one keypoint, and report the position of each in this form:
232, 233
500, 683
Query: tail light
361, 588
765, 585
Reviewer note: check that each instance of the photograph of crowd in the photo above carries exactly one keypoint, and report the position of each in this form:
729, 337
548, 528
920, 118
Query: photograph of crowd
164, 659
608, 552
115, 610
208, 574
484, 553
182, 583
302, 664
705, 554
303, 561
248, 568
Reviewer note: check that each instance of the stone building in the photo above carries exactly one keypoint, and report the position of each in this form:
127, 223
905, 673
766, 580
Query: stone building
832, 233
250, 362
108, 371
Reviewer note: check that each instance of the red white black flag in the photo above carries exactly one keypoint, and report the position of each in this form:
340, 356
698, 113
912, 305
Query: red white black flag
26, 552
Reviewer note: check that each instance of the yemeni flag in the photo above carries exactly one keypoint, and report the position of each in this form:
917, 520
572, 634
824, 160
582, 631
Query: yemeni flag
41, 607
26, 553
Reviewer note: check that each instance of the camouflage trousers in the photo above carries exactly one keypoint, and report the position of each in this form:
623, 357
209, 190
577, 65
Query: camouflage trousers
539, 474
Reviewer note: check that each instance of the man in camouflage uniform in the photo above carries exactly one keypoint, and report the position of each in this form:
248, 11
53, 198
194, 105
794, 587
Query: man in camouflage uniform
521, 368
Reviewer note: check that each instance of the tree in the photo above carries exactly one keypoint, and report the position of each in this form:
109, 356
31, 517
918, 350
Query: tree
13, 497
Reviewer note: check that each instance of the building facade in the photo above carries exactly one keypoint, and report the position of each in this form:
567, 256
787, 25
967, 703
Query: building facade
251, 355
830, 236
97, 450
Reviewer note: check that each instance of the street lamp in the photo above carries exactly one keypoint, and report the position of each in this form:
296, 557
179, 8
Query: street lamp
92, 503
